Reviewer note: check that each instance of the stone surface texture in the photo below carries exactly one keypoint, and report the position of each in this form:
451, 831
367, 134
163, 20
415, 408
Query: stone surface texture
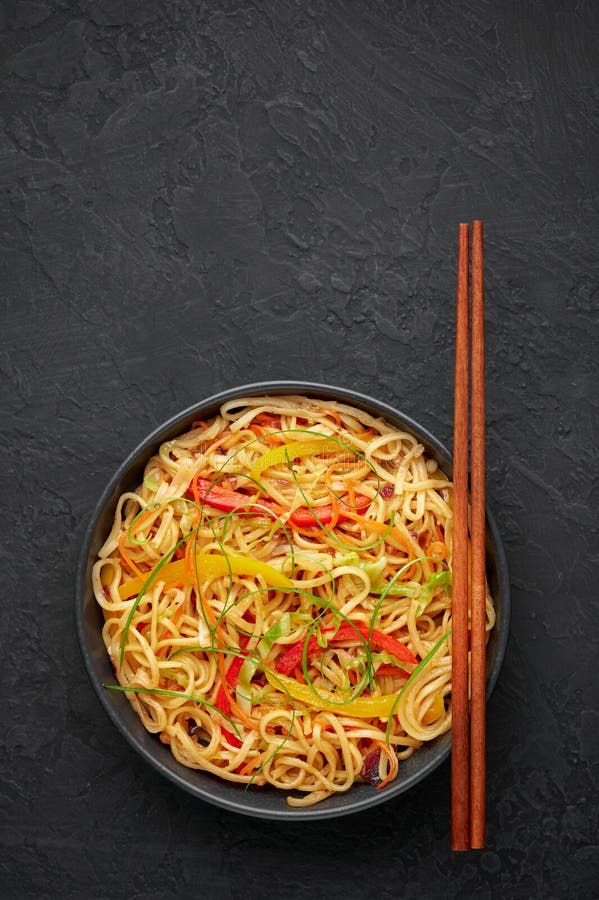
199, 195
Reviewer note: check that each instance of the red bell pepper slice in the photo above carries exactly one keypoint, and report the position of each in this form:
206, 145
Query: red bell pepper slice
227, 500
222, 698
230, 737
306, 518
292, 658
386, 669
346, 632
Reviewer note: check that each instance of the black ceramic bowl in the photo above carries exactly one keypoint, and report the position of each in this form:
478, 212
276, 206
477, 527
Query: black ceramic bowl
263, 802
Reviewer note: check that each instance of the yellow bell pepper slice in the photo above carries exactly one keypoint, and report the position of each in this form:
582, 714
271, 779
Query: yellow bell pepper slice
361, 707
210, 565
279, 455
435, 710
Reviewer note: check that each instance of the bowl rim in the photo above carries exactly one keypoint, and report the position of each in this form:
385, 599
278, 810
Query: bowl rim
278, 388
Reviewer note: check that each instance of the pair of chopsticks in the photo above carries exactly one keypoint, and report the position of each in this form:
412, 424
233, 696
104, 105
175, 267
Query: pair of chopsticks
468, 721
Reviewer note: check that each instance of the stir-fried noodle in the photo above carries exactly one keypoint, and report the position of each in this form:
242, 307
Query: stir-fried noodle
277, 596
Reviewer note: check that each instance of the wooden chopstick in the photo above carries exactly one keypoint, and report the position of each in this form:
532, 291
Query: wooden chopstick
468, 725
477, 529
460, 739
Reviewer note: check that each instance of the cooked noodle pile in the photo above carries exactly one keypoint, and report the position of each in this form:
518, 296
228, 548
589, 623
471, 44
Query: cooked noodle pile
277, 596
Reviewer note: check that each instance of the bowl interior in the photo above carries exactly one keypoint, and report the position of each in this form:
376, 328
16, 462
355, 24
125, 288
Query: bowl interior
261, 802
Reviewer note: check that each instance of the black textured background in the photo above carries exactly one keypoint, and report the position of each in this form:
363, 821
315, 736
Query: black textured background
198, 195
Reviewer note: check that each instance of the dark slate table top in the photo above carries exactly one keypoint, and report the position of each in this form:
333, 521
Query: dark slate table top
200, 195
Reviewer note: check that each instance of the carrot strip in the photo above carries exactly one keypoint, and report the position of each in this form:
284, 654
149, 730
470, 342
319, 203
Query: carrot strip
125, 558
299, 675
437, 549
252, 764
382, 529
265, 418
393, 764
333, 414
306, 532
351, 494
241, 715
194, 488
268, 436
